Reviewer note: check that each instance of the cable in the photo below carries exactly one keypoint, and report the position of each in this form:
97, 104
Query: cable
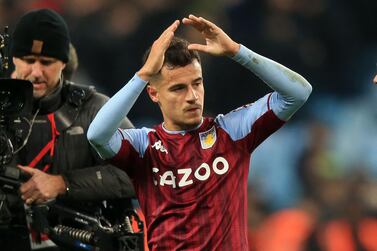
29, 132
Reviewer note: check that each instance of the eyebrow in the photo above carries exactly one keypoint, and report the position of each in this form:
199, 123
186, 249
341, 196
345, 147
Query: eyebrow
179, 84
198, 79
176, 86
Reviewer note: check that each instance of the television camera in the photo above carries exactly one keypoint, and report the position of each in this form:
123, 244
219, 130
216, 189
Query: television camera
15, 103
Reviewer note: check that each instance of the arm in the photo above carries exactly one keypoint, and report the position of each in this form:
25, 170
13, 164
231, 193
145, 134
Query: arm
292, 90
104, 126
102, 182
109, 117
91, 183
86, 179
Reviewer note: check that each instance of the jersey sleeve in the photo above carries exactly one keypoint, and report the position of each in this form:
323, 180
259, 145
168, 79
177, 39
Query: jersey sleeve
251, 123
291, 89
137, 139
102, 133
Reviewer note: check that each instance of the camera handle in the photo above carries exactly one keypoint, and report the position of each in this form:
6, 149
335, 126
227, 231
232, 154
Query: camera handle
11, 177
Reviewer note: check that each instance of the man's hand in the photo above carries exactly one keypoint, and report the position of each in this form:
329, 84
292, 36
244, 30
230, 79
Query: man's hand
218, 43
156, 56
41, 187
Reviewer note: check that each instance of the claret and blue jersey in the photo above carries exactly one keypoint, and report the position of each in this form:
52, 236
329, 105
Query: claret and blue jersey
192, 185
196, 180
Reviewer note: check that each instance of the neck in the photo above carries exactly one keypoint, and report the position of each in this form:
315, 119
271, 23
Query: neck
51, 102
184, 128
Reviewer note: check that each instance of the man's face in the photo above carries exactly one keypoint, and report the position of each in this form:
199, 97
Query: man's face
180, 95
43, 72
375, 79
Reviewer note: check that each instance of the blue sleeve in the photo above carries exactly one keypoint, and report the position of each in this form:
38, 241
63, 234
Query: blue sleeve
137, 138
238, 123
103, 128
291, 89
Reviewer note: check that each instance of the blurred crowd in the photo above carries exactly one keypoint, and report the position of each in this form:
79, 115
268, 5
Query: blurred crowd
317, 191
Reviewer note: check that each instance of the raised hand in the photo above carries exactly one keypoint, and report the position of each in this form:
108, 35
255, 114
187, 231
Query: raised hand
156, 56
41, 187
217, 41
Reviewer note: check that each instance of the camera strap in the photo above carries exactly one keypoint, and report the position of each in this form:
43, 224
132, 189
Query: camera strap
49, 147
37, 239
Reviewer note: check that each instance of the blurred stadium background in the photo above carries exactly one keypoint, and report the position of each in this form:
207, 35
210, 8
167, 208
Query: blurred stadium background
324, 161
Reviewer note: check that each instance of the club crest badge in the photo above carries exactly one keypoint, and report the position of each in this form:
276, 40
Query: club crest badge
208, 138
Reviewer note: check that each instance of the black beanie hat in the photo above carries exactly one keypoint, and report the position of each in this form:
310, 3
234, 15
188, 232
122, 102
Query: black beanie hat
41, 32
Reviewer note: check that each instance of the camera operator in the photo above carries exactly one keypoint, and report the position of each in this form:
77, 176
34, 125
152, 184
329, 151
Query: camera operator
57, 154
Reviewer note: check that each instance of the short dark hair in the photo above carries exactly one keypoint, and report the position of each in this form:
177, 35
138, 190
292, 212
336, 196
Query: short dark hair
177, 55
72, 64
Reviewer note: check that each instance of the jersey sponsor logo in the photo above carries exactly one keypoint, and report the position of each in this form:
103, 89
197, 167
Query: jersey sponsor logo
159, 147
186, 176
208, 138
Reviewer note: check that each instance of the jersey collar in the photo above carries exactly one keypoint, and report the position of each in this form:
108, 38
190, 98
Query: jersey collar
183, 132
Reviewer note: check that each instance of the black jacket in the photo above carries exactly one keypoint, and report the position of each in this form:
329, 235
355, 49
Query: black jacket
88, 177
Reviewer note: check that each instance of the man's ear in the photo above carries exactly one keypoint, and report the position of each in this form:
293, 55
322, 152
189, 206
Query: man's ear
152, 92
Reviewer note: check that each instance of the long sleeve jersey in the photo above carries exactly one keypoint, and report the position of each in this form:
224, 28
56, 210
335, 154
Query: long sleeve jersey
192, 185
